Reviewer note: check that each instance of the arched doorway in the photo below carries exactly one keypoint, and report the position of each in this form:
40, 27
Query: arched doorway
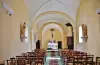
70, 36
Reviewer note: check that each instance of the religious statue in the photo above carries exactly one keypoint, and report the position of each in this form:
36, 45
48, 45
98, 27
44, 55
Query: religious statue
84, 29
22, 31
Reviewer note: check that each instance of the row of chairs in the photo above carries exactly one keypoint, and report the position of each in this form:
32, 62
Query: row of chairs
78, 58
31, 58
68, 56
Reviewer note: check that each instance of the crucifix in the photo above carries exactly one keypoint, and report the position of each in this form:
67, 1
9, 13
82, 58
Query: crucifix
52, 30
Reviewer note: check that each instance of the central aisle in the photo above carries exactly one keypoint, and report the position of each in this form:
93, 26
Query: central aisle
53, 58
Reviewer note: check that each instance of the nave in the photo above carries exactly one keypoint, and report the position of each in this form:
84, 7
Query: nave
54, 57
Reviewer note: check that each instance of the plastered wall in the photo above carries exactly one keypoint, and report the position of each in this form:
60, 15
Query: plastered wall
10, 44
87, 15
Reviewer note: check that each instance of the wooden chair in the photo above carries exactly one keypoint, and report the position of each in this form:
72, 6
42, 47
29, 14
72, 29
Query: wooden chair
12, 61
21, 60
97, 60
69, 60
79, 60
89, 61
31, 53
64, 59
39, 60
31, 59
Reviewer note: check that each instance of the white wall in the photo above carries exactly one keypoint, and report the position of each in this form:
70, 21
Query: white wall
10, 44
87, 15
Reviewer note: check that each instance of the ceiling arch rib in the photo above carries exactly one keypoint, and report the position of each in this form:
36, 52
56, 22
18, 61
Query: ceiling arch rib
56, 23
52, 18
52, 22
49, 21
52, 25
53, 15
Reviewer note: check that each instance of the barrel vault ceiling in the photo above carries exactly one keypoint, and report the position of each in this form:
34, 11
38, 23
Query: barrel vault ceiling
37, 7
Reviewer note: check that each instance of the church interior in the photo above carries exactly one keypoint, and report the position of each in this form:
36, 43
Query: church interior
49, 32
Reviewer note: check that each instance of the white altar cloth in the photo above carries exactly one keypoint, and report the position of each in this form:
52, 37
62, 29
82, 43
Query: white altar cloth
53, 45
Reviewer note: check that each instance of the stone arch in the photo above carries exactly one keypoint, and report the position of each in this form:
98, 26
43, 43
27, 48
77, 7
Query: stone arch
64, 32
53, 23
66, 16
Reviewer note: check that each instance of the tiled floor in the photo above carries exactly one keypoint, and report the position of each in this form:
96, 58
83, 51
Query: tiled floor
53, 60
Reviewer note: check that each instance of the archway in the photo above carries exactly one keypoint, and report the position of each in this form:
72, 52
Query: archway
59, 30
61, 18
48, 37
63, 15
70, 36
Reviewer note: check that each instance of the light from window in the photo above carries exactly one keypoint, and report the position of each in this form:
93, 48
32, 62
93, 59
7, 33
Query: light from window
80, 34
26, 34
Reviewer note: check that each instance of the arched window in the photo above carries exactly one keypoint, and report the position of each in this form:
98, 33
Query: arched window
80, 34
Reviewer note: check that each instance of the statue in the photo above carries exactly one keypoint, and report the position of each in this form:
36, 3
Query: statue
22, 31
84, 29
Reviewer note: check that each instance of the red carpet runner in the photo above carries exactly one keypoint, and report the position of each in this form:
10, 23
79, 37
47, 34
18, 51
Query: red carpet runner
53, 62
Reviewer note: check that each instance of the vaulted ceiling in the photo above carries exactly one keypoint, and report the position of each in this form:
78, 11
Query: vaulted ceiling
66, 10
36, 7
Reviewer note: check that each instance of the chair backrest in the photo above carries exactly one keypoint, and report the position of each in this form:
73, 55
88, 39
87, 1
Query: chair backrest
98, 59
11, 62
21, 60
89, 60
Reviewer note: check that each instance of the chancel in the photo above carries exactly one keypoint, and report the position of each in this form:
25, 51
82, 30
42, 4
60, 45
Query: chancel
49, 32
52, 44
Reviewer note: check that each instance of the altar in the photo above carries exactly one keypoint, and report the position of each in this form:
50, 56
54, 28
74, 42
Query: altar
52, 45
